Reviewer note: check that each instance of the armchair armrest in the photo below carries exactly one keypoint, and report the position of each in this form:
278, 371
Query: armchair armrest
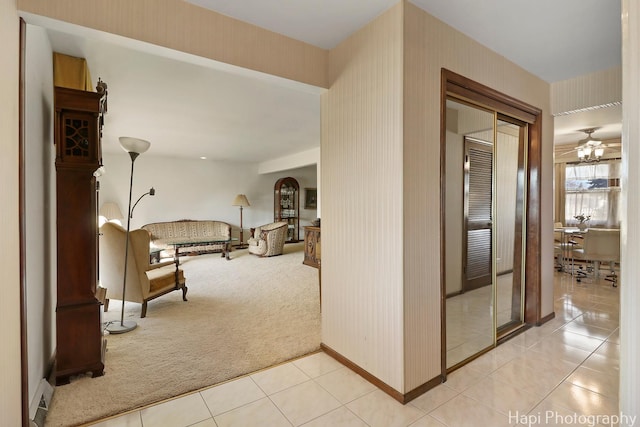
160, 264
265, 234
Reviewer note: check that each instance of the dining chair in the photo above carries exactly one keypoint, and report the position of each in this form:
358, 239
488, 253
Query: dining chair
600, 245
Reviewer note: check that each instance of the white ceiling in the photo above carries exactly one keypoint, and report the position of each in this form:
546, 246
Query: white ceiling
218, 112
555, 40
192, 107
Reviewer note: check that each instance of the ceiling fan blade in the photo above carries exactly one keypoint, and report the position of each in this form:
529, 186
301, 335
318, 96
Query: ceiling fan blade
565, 153
563, 149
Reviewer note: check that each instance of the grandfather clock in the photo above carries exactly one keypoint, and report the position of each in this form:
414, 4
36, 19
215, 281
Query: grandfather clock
78, 129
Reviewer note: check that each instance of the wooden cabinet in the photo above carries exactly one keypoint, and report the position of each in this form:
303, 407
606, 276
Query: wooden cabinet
312, 246
79, 338
286, 206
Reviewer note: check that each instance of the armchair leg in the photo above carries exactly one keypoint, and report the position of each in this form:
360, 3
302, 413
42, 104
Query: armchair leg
144, 310
106, 305
183, 286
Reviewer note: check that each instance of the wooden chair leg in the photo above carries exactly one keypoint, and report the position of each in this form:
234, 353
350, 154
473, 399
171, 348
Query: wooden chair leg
184, 292
144, 310
106, 305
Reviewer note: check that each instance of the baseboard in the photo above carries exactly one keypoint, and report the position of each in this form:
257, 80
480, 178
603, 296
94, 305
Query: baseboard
514, 333
400, 397
546, 318
422, 389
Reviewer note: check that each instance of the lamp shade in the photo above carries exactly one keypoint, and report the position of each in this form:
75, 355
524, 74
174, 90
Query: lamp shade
240, 200
111, 210
134, 145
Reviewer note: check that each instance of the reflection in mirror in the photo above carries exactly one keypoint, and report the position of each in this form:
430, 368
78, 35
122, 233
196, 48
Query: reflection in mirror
469, 320
485, 161
510, 162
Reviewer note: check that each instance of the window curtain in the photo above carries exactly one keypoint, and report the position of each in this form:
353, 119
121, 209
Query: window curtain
559, 193
71, 72
593, 189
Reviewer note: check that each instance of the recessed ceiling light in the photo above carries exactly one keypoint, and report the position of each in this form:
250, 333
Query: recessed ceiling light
203, 158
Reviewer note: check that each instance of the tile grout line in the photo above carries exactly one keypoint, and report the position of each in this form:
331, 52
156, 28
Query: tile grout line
568, 375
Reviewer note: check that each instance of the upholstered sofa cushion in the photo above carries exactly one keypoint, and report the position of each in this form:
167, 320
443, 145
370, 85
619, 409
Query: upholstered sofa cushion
184, 230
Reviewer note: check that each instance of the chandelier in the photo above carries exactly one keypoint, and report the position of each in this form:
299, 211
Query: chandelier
589, 149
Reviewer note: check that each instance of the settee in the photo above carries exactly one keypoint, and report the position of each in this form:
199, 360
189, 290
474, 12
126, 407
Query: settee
186, 231
145, 281
268, 240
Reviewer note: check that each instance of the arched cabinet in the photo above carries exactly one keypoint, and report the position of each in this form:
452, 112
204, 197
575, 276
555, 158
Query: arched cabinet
286, 206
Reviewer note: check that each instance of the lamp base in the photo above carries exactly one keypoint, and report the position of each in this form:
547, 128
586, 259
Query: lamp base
121, 327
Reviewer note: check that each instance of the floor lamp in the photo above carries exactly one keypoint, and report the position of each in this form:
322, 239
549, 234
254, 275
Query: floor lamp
134, 147
241, 200
151, 192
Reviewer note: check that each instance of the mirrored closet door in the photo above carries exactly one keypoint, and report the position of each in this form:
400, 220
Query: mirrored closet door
485, 161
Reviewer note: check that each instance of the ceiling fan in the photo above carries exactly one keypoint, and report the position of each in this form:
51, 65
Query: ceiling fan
590, 140
588, 149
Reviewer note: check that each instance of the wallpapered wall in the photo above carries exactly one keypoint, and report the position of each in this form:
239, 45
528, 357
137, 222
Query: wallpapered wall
197, 189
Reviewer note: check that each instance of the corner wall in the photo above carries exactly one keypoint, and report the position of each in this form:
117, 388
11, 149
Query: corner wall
602, 88
40, 209
630, 227
361, 157
429, 46
10, 362
381, 271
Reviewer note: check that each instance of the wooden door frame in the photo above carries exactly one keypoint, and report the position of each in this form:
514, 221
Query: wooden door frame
516, 295
467, 89
24, 359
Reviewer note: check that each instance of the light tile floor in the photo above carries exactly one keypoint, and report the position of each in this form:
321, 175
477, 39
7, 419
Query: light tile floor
470, 322
560, 374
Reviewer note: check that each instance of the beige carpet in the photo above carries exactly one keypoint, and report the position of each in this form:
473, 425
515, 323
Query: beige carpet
242, 315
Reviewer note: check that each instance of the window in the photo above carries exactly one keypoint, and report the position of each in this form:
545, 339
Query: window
593, 189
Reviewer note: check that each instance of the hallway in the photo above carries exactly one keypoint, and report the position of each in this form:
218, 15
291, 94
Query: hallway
564, 373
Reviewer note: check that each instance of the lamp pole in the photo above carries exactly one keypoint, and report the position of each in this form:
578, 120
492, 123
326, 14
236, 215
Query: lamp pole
122, 327
134, 147
151, 192
241, 200
241, 245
